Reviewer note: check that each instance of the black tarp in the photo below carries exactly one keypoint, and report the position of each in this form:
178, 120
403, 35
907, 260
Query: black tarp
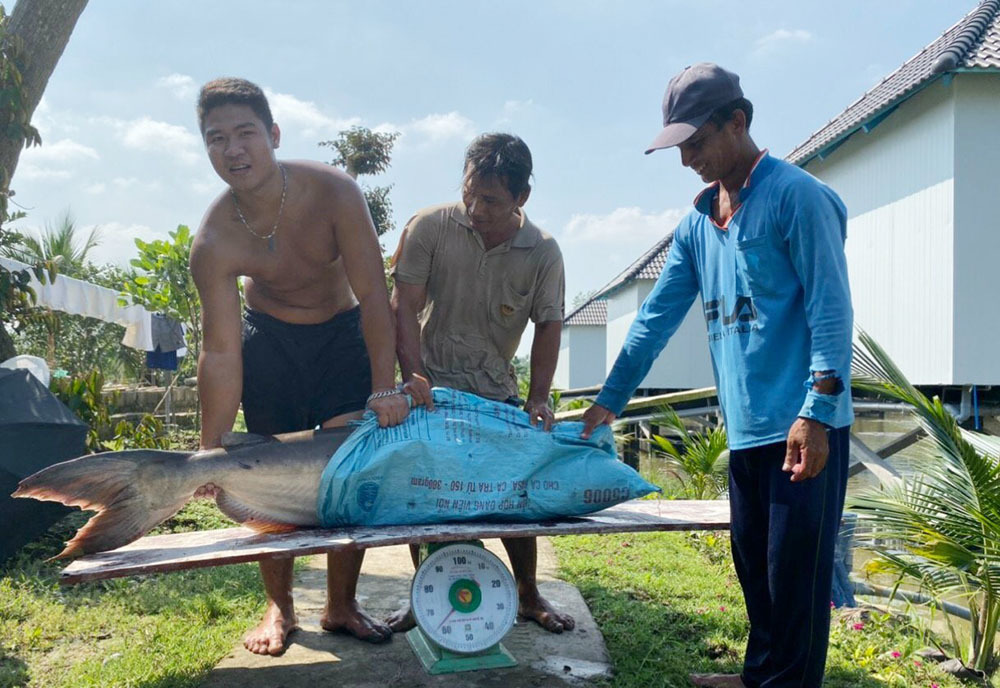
36, 430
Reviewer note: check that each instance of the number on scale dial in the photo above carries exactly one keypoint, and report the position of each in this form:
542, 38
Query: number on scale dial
464, 598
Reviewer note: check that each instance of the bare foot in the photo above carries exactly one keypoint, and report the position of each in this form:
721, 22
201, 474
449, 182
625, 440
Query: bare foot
355, 620
717, 680
269, 637
535, 607
401, 620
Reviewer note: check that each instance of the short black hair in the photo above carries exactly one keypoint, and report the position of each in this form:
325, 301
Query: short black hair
502, 155
725, 113
233, 91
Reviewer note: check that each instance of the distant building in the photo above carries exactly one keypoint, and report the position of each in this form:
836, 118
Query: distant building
915, 160
594, 332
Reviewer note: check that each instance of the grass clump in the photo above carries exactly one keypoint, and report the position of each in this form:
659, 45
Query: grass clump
669, 604
157, 631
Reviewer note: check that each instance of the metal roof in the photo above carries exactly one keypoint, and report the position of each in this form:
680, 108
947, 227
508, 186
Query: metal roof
648, 266
592, 312
973, 44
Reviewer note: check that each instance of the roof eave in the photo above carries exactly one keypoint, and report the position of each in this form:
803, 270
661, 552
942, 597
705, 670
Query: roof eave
877, 117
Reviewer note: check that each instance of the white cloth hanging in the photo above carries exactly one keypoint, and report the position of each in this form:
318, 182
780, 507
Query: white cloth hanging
77, 297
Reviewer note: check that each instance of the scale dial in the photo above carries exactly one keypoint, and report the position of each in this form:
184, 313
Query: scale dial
464, 598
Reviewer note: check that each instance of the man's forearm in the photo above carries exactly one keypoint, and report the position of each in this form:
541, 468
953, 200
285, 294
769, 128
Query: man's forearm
380, 340
220, 386
408, 341
544, 355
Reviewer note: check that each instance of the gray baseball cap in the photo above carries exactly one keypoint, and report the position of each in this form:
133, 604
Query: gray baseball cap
691, 98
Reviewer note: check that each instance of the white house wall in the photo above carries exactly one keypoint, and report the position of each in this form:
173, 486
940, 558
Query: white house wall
684, 363
582, 359
976, 325
898, 185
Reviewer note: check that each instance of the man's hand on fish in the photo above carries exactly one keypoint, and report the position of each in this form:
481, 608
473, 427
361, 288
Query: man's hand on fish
391, 410
419, 390
538, 410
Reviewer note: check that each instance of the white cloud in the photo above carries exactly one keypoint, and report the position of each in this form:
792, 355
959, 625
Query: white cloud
182, 86
622, 224
597, 247
774, 40
146, 134
96, 189
303, 117
436, 127
29, 171
117, 241
61, 151
54, 161
513, 109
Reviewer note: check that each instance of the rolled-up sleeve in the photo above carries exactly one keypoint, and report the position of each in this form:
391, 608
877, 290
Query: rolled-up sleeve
415, 255
659, 317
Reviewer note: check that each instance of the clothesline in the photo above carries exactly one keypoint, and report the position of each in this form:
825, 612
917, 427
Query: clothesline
76, 297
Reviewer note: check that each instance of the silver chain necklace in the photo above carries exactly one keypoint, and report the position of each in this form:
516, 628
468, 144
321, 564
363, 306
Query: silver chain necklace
281, 207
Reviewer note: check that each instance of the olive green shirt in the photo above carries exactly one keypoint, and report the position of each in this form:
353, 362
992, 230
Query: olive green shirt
478, 301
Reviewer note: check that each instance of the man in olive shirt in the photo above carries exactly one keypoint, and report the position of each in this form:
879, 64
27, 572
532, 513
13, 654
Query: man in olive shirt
468, 276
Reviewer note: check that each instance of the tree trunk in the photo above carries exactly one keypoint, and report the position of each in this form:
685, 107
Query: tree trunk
45, 27
6, 345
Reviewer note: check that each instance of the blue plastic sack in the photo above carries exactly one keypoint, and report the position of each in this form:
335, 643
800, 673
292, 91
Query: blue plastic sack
471, 459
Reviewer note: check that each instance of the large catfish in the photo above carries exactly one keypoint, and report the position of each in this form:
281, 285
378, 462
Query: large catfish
266, 483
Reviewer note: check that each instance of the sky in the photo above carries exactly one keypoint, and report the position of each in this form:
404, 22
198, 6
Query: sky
581, 81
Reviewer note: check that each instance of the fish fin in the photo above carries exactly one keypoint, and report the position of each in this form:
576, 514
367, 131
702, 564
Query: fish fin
250, 516
244, 439
110, 484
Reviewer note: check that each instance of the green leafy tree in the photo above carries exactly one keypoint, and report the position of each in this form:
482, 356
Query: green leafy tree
361, 151
164, 284
59, 244
943, 522
701, 465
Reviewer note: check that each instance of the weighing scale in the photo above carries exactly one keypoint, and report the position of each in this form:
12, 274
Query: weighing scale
464, 601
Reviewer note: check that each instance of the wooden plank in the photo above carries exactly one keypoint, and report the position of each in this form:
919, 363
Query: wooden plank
162, 553
648, 402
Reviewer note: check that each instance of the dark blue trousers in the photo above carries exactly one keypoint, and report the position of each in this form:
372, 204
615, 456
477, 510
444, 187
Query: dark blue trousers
783, 536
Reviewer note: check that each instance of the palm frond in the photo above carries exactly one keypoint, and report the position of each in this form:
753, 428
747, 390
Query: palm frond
944, 520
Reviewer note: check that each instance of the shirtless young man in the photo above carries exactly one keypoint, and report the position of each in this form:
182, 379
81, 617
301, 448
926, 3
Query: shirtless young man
316, 342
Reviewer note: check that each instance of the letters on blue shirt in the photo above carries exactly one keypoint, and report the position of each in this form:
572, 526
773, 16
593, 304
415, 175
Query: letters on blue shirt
777, 305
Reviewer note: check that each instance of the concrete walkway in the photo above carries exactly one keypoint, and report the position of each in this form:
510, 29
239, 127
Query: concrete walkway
316, 658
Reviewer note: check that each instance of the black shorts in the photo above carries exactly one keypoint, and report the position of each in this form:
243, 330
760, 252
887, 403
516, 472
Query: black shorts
296, 377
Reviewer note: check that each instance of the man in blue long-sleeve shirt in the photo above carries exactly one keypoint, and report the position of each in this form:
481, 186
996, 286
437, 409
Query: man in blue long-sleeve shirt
764, 247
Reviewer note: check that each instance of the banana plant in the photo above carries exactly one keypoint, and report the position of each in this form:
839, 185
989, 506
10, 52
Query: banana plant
942, 524
702, 464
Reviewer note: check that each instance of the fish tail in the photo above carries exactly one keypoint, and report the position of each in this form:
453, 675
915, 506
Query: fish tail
111, 485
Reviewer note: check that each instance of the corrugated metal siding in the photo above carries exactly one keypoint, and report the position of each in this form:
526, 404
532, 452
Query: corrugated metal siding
977, 230
898, 188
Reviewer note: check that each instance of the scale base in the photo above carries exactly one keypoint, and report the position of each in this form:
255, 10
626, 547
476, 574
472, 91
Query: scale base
437, 660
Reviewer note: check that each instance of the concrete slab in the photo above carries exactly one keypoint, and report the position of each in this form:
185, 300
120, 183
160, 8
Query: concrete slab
316, 658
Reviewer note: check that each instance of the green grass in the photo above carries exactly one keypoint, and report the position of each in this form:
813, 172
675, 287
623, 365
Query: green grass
164, 631
669, 604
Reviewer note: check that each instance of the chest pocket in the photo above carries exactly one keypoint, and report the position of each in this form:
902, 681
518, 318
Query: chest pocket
759, 266
509, 307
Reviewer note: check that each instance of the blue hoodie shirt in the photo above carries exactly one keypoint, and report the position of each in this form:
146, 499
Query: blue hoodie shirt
777, 305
